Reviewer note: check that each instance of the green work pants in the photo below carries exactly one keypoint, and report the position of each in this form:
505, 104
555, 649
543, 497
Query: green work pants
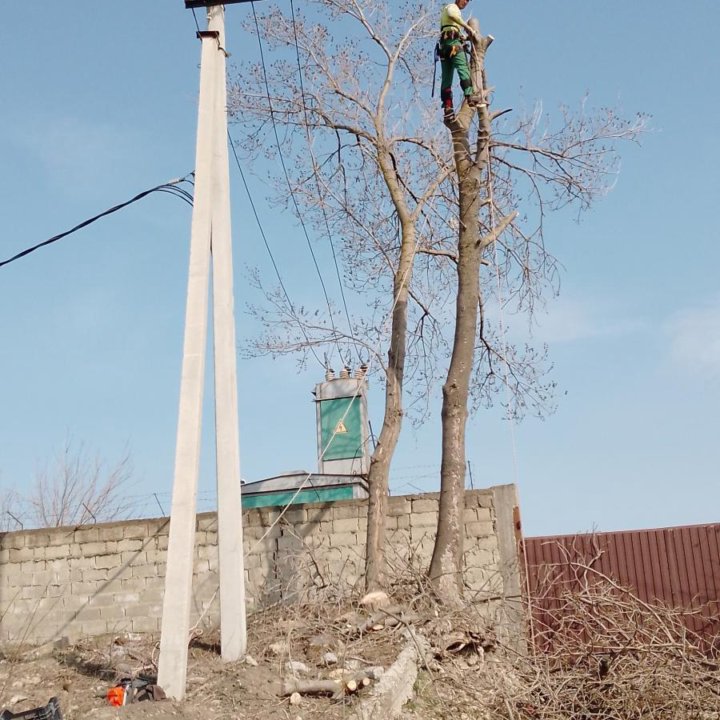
450, 63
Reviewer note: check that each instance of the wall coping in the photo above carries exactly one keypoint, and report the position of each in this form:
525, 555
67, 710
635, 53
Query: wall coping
12, 534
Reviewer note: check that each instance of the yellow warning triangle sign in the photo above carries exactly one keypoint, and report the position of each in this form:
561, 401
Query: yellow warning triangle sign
340, 428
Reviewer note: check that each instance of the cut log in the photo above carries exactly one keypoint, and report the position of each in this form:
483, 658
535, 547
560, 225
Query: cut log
357, 682
387, 618
311, 687
347, 685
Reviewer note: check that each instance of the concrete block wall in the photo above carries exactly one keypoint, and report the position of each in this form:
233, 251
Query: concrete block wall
109, 578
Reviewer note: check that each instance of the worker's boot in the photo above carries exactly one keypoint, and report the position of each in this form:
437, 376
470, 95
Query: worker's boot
475, 100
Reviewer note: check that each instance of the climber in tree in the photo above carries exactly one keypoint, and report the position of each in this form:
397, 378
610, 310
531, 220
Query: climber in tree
452, 55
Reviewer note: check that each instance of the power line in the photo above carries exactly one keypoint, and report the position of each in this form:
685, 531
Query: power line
287, 180
171, 187
264, 237
317, 179
269, 251
197, 24
303, 484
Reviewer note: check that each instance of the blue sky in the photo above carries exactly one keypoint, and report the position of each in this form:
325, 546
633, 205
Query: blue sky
99, 103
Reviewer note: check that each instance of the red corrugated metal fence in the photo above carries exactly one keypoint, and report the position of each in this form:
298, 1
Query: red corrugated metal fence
677, 566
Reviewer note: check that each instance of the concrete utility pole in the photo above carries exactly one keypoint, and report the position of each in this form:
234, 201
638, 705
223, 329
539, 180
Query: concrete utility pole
210, 234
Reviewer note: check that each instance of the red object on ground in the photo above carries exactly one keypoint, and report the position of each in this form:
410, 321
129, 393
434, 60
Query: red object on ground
116, 696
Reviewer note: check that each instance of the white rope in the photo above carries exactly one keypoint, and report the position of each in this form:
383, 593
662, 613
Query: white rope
503, 332
503, 335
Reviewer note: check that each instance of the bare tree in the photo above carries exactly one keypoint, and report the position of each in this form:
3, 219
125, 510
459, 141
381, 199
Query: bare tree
9, 510
470, 166
364, 166
77, 488
369, 162
494, 174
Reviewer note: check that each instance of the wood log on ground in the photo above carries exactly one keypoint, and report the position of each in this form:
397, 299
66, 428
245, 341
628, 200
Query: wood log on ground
347, 685
311, 687
357, 684
357, 681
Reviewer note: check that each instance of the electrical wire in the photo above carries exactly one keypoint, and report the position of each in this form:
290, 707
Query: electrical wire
264, 237
169, 187
287, 180
269, 251
197, 24
317, 179
403, 281
303, 484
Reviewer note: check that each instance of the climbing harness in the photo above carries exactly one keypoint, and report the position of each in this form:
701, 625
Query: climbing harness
445, 49
449, 32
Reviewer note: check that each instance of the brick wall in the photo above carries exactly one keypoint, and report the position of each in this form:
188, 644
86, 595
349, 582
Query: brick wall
109, 578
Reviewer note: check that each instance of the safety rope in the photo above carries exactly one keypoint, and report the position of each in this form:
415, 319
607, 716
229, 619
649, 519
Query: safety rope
511, 423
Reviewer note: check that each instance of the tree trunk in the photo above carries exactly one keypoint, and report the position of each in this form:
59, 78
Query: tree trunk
446, 566
378, 477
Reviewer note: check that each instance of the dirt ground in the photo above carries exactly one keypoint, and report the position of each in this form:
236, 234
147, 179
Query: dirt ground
320, 641
606, 654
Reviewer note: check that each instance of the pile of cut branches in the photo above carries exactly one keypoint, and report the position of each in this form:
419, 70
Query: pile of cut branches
609, 654
598, 652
